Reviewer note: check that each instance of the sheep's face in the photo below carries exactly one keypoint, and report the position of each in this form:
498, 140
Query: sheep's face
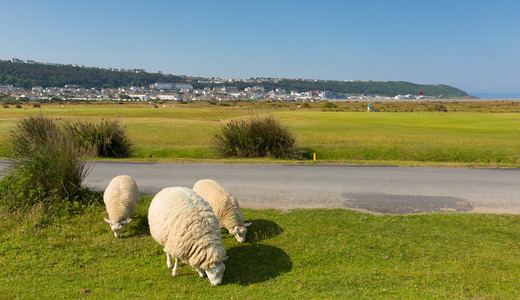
117, 226
216, 273
239, 232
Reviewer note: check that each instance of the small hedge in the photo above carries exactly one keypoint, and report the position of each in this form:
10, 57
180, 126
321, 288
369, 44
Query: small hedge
48, 161
102, 139
256, 138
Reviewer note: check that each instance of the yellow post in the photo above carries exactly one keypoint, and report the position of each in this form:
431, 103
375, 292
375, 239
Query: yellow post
314, 158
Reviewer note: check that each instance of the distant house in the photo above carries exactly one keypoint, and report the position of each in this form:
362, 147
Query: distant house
8, 87
328, 95
225, 89
408, 96
169, 97
182, 86
171, 86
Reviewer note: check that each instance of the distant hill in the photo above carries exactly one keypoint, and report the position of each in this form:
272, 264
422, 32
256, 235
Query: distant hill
31, 75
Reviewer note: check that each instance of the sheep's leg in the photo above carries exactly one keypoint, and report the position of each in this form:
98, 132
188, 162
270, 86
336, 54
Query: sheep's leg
174, 271
169, 261
201, 272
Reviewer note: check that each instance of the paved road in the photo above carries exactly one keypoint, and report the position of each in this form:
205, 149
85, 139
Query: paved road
372, 188
377, 189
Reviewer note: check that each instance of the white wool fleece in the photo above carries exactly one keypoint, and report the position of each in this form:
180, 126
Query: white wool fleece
182, 222
121, 197
224, 205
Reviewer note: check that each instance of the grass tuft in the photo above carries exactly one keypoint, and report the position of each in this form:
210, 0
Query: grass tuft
104, 138
256, 138
47, 169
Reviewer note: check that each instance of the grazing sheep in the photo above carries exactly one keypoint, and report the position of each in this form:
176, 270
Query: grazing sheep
120, 198
225, 206
182, 222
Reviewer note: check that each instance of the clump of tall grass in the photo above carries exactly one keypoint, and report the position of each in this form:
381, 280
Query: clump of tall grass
31, 133
329, 105
256, 138
47, 169
439, 107
48, 160
106, 138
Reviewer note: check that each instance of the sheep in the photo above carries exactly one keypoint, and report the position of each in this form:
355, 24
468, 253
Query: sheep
182, 222
120, 197
225, 206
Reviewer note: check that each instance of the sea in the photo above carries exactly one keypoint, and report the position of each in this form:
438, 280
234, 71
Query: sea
496, 95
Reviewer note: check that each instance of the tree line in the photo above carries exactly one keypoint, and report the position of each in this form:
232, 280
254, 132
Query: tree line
31, 75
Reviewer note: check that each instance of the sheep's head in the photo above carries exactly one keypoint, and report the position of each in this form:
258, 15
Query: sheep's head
117, 226
216, 272
239, 232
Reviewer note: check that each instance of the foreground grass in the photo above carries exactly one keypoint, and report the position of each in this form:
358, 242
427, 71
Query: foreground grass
299, 254
471, 134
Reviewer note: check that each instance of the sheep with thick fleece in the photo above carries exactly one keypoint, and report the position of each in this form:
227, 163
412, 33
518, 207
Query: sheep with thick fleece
182, 222
225, 206
120, 198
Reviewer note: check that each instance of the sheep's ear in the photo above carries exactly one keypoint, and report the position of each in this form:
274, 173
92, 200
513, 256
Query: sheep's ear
247, 224
126, 221
225, 258
107, 220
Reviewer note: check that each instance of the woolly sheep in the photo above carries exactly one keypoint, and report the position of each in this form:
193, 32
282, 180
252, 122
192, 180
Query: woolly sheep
120, 198
225, 206
182, 222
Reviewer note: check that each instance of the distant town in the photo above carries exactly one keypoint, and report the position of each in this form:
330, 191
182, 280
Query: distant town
182, 91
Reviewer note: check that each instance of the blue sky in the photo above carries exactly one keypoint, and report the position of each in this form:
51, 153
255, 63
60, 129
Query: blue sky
473, 45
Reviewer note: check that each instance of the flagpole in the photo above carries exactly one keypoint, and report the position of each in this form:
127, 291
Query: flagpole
420, 94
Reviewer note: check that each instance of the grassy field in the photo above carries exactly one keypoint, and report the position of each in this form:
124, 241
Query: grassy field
483, 134
299, 254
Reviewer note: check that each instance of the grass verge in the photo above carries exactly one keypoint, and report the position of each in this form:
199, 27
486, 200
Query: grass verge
299, 254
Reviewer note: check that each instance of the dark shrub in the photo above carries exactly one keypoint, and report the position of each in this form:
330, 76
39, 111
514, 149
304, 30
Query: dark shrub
438, 107
329, 105
18, 105
36, 105
31, 133
106, 138
6, 105
47, 169
256, 138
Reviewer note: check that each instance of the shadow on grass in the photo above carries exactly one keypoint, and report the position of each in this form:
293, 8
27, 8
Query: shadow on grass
138, 227
255, 263
260, 230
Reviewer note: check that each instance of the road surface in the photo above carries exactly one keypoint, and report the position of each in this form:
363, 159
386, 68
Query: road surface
378, 189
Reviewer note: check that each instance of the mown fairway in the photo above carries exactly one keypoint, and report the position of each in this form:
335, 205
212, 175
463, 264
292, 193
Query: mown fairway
344, 135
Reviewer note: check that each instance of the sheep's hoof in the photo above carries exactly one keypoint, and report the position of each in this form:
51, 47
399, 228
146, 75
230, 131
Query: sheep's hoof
174, 273
202, 274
